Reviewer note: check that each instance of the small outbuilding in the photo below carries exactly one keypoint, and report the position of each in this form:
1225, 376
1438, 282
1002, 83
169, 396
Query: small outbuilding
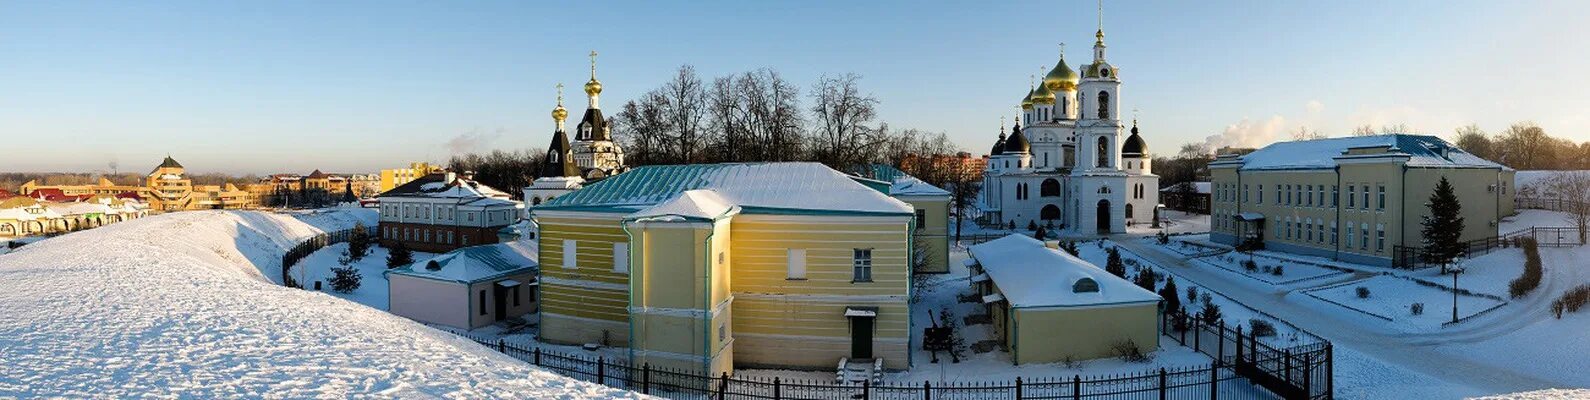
467, 288
1050, 306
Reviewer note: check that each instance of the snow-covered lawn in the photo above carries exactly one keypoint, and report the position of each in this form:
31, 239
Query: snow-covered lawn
1271, 270
1391, 298
1529, 218
1487, 274
184, 305
372, 285
1175, 222
1235, 314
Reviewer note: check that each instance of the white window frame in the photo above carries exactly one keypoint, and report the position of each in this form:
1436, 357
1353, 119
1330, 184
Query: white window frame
621, 258
795, 264
861, 265
571, 256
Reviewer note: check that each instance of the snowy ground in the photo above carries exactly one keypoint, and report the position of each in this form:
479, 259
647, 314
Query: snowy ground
1176, 222
1529, 218
1269, 270
373, 286
1391, 298
185, 305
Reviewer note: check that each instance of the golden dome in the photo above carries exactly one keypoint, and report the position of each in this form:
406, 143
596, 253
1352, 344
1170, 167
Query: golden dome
559, 113
1043, 95
1026, 101
593, 87
1061, 78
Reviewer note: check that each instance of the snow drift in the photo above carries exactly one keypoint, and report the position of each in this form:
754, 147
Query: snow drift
185, 305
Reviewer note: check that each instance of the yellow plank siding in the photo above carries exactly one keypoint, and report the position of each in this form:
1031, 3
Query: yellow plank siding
585, 302
814, 318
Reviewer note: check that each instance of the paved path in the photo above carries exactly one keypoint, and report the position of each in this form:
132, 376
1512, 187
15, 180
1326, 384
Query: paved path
1414, 352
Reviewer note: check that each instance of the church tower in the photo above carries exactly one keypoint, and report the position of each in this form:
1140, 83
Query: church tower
1098, 194
559, 173
594, 150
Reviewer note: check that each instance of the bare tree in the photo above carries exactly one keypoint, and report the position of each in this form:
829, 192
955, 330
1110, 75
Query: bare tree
1472, 139
1525, 145
1306, 133
1573, 188
1364, 130
686, 104
843, 117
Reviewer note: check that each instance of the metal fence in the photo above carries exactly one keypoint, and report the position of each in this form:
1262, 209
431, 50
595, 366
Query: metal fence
1412, 257
313, 244
1243, 369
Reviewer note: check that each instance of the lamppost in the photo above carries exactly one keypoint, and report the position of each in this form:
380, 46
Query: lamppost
1455, 271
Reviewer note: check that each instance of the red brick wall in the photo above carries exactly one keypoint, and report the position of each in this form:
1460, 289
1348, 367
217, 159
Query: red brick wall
391, 233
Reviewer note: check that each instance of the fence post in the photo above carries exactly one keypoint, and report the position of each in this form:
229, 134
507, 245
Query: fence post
502, 346
1214, 380
1330, 370
1220, 344
1076, 387
776, 390
1018, 388
538, 357
645, 379
927, 390
1287, 364
723, 386
1308, 381
1197, 335
866, 387
1239, 345
1253, 347
601, 370
1162, 389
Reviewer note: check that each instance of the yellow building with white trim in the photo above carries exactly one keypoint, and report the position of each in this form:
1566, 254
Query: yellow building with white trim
705, 267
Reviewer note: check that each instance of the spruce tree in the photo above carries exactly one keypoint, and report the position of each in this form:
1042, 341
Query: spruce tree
358, 242
1113, 265
1443, 227
347, 194
1171, 295
399, 256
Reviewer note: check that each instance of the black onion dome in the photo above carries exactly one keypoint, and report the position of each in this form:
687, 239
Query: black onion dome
1134, 144
1017, 142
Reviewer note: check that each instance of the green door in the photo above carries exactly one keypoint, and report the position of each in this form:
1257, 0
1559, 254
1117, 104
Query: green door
861, 337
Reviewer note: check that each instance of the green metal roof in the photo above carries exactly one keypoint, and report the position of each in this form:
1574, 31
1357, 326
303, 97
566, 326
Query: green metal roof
779, 188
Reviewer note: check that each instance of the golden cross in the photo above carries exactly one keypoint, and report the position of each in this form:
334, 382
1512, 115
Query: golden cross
593, 64
560, 93
1062, 49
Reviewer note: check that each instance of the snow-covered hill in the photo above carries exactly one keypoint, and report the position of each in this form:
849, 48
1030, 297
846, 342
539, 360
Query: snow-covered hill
184, 305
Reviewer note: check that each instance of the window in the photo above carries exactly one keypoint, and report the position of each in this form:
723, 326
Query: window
1333, 233
569, 253
1278, 195
1085, 285
1334, 195
482, 297
1349, 229
1103, 152
516, 295
723, 332
795, 264
1352, 195
1289, 195
1363, 230
861, 261
1308, 195
1380, 192
1244, 193
471, 216
1260, 194
1380, 237
1104, 105
621, 258
921, 219
1365, 205
1308, 230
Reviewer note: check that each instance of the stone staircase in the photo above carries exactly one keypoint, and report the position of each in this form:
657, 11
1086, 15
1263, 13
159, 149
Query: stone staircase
858, 371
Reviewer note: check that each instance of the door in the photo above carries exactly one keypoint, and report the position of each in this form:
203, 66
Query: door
861, 338
500, 296
1104, 216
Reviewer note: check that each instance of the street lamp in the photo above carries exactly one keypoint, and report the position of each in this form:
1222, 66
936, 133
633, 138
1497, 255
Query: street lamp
1458, 269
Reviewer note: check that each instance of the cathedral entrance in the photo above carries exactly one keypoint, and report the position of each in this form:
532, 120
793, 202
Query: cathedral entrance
1103, 216
1049, 213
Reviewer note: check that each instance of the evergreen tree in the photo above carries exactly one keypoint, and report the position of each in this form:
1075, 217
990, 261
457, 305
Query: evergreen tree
347, 194
1040, 233
1145, 279
1211, 312
1070, 247
345, 279
1113, 265
1443, 226
358, 242
399, 256
1170, 294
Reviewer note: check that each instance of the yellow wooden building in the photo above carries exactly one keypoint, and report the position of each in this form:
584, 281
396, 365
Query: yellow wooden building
705, 267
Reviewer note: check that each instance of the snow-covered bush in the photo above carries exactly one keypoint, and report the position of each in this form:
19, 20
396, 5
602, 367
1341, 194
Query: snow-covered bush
1363, 292
1192, 294
1127, 350
1261, 328
1277, 270
345, 279
1250, 265
1416, 308
1572, 300
1533, 270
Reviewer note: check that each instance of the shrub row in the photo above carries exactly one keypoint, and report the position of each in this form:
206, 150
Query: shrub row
1532, 271
1572, 300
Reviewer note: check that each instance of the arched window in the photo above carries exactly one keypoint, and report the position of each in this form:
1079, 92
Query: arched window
1128, 210
1103, 152
1104, 105
1104, 190
1049, 213
1049, 188
1085, 285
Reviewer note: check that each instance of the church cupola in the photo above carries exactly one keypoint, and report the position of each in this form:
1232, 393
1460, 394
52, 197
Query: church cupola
560, 157
1134, 147
999, 146
1061, 78
1017, 144
593, 126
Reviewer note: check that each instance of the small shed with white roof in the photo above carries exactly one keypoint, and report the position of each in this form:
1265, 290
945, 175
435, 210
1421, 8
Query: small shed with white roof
467, 288
1050, 306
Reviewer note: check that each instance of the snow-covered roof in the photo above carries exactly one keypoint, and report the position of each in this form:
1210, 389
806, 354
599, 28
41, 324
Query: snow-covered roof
775, 188
910, 186
692, 204
447, 186
1200, 187
1032, 275
477, 263
1422, 150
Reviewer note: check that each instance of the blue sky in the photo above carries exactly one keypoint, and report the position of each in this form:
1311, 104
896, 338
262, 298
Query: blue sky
352, 86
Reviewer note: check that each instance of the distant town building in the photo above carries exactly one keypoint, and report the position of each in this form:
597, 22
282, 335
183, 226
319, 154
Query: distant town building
444, 211
597, 155
560, 174
167, 188
962, 164
26, 216
392, 178
1356, 199
1190, 197
469, 287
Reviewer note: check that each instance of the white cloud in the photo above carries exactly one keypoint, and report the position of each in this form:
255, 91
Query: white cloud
472, 141
1249, 133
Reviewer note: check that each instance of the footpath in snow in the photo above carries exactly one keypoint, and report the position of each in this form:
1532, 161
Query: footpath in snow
184, 305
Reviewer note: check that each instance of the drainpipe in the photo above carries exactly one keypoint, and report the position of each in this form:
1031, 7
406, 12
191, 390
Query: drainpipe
630, 294
706, 297
1336, 251
910, 271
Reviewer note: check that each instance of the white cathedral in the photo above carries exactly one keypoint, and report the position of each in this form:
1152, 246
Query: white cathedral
1064, 164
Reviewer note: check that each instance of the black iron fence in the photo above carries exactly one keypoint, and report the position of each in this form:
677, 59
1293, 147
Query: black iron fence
1547, 204
1412, 257
1244, 368
313, 244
